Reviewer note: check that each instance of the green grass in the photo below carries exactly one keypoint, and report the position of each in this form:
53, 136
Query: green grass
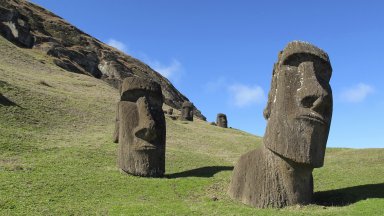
57, 156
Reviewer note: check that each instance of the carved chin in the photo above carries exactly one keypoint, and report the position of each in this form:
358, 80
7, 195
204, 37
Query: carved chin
312, 137
298, 140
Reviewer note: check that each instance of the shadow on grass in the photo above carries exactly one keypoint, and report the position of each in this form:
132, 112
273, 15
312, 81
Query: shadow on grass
204, 172
349, 195
6, 102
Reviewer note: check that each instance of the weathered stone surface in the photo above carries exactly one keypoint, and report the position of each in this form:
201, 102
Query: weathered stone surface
142, 129
301, 109
298, 112
187, 111
117, 125
170, 111
221, 120
14, 27
28, 25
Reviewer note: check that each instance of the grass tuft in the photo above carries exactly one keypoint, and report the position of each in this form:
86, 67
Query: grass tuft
44, 83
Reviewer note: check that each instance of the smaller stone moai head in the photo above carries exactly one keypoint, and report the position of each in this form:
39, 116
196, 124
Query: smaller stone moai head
187, 111
299, 108
170, 111
142, 128
221, 120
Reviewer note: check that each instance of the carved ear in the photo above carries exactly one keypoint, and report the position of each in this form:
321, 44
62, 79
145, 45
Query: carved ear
271, 94
266, 113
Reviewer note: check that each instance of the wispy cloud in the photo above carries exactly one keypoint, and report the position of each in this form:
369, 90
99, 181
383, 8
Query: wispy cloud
170, 71
243, 95
117, 44
357, 93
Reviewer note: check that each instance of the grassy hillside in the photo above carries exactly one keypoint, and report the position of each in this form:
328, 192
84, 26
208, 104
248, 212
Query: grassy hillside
57, 156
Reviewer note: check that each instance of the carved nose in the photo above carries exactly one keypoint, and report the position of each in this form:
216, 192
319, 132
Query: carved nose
311, 93
146, 129
316, 103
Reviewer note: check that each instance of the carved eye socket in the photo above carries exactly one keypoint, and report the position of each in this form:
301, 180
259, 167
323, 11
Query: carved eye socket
323, 69
134, 95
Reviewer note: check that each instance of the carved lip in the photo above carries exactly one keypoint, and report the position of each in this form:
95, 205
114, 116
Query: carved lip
314, 117
143, 145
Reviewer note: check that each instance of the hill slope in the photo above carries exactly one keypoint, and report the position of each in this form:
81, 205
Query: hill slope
28, 25
57, 155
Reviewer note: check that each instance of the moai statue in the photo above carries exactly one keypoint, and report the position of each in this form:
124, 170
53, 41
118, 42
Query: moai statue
221, 120
170, 111
141, 128
187, 111
116, 132
298, 112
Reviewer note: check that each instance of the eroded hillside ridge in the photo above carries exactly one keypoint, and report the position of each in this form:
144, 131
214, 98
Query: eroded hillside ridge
30, 26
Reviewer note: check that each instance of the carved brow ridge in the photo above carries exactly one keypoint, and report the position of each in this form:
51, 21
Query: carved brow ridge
134, 94
297, 58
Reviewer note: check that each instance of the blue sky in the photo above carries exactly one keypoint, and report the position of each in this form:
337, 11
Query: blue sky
220, 54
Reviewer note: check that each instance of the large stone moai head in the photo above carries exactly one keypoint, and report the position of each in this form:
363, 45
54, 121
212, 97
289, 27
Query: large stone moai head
221, 120
187, 111
299, 108
141, 128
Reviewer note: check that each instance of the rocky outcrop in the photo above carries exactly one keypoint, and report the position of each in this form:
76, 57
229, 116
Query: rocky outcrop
30, 26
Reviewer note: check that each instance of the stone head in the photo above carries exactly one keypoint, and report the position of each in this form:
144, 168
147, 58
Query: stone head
299, 108
170, 111
187, 111
221, 120
142, 126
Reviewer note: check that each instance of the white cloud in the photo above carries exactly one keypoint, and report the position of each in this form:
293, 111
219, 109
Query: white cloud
357, 93
171, 71
242, 95
117, 44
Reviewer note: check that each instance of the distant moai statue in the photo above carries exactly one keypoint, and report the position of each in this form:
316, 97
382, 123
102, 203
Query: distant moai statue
142, 128
299, 112
221, 120
170, 111
187, 111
